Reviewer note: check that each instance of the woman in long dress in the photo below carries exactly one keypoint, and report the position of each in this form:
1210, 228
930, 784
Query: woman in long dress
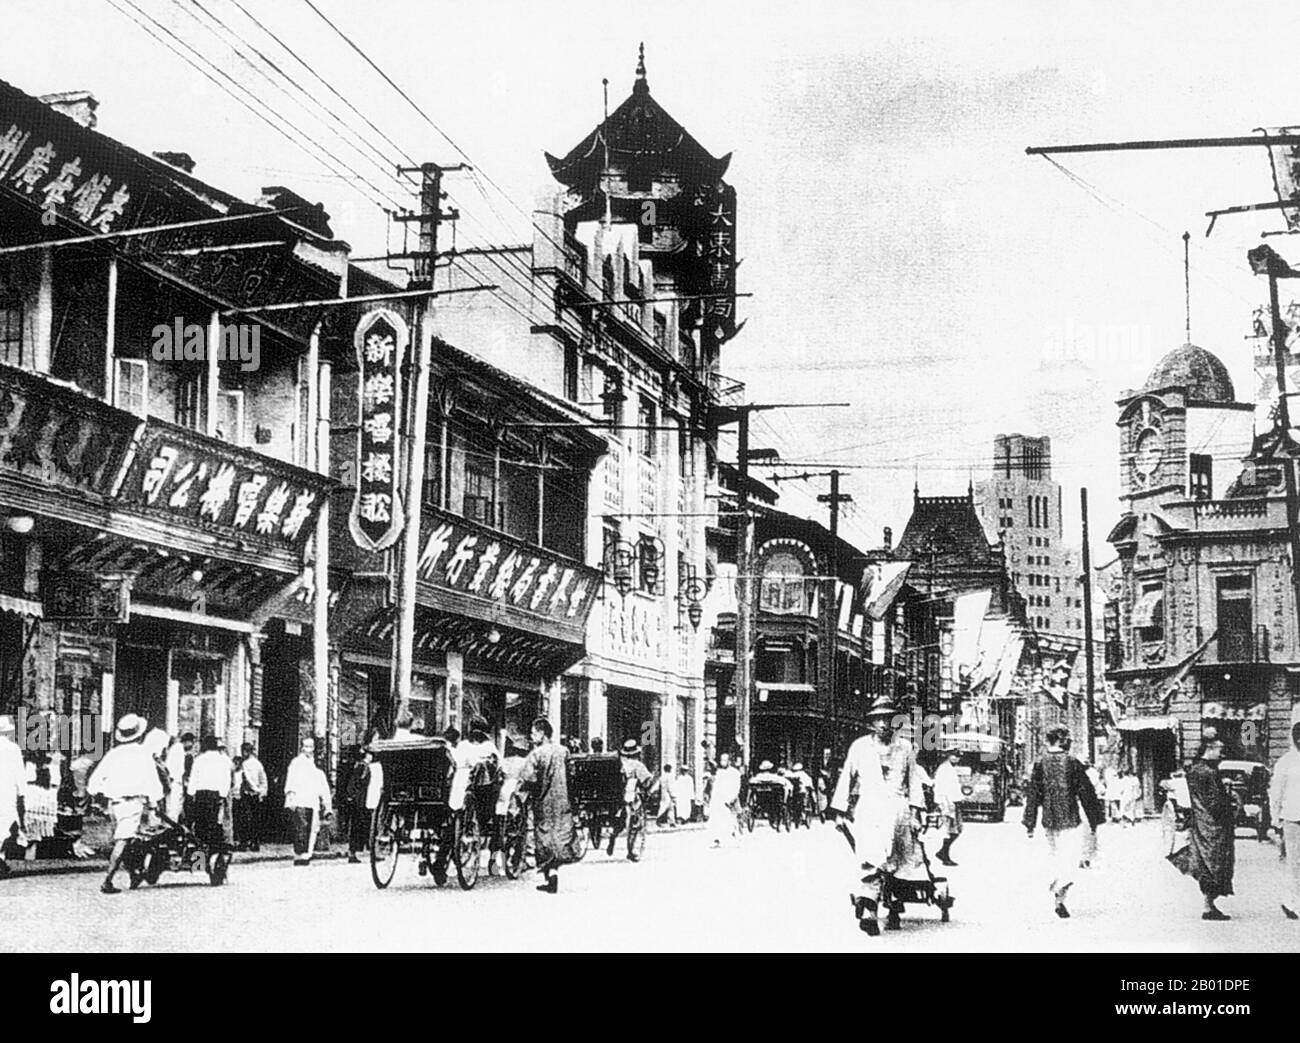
544, 778
1210, 855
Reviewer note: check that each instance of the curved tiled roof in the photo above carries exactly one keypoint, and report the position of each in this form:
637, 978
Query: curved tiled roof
1196, 370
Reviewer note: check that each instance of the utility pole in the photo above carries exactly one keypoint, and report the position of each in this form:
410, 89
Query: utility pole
1263, 260
431, 215
1087, 630
739, 415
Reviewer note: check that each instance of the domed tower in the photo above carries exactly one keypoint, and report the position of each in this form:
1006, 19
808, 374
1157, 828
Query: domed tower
1183, 435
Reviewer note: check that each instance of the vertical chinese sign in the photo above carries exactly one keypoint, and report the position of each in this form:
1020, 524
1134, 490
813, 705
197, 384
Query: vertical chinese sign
381, 339
720, 259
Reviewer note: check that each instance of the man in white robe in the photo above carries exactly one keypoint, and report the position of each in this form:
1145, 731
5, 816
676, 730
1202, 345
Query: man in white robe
722, 802
880, 772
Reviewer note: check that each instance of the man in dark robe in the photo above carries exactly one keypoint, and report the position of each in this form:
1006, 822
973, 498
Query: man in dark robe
1210, 855
544, 778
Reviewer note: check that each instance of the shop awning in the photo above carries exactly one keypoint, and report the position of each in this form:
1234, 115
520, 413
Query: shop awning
20, 606
1147, 607
1148, 724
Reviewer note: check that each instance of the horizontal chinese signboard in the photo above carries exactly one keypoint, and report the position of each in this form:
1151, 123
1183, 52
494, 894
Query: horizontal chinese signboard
84, 596
181, 475
460, 556
55, 435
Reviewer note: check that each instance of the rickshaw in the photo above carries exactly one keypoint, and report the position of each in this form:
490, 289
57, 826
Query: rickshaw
600, 801
767, 800
801, 805
415, 814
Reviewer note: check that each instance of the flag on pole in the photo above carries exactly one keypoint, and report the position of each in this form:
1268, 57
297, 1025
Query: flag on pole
1286, 174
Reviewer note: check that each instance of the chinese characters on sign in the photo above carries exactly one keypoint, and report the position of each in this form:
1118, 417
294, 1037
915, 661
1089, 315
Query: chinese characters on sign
456, 555
719, 251
58, 179
70, 596
376, 519
261, 498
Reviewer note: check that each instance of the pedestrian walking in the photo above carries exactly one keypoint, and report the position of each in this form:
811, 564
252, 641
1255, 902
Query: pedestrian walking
667, 803
174, 769
1209, 857
636, 784
13, 791
947, 796
307, 796
723, 802
544, 779
881, 769
208, 788
251, 788
684, 794
354, 801
1059, 787
1284, 801
1130, 796
128, 778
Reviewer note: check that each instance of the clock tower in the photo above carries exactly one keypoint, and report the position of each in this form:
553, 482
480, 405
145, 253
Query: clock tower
1183, 435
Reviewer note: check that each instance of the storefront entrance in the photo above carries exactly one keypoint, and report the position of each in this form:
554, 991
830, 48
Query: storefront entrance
635, 715
140, 683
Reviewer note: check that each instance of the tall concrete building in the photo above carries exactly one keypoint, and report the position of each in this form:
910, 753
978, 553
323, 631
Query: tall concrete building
1022, 506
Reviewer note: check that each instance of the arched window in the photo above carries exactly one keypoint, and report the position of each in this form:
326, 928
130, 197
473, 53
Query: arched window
784, 587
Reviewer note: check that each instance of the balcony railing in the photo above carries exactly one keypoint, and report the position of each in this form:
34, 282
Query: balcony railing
1242, 646
614, 476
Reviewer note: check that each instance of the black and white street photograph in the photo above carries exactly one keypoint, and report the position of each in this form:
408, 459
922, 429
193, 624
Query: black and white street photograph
707, 477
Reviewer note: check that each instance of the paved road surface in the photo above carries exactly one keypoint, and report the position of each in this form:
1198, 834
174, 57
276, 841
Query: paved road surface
772, 892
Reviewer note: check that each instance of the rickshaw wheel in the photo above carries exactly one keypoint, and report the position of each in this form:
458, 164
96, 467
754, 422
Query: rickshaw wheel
636, 831
220, 867
465, 852
581, 835
385, 847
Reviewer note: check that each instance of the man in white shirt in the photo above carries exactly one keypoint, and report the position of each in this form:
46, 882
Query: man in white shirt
250, 791
1284, 801
128, 777
13, 787
722, 802
947, 795
208, 786
307, 796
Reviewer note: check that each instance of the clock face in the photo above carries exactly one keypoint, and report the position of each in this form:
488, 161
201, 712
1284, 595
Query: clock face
1147, 452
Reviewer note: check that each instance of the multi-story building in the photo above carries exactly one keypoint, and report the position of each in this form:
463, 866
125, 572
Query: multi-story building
160, 434
629, 298
1203, 633
1021, 506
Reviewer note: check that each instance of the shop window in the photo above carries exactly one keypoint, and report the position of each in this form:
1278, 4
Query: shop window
131, 390
648, 433
433, 468
649, 565
1149, 614
11, 333
612, 397
1200, 481
571, 372
780, 662
784, 588
187, 400
480, 494
661, 330
1234, 619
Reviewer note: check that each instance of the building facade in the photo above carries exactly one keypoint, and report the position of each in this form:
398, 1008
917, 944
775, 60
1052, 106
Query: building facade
1203, 630
160, 435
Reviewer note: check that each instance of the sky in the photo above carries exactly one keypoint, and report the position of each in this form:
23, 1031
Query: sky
903, 252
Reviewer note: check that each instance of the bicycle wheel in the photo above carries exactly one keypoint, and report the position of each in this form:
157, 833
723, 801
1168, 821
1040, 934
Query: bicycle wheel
467, 845
385, 845
516, 845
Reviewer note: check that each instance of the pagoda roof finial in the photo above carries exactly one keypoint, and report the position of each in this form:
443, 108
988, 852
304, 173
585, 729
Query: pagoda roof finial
640, 86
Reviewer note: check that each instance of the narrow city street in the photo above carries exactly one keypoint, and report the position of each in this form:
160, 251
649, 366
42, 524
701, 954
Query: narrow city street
774, 892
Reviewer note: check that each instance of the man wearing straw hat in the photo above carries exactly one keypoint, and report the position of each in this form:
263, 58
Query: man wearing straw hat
128, 778
879, 790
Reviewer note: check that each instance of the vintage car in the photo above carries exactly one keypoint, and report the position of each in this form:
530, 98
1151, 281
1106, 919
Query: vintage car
1247, 781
